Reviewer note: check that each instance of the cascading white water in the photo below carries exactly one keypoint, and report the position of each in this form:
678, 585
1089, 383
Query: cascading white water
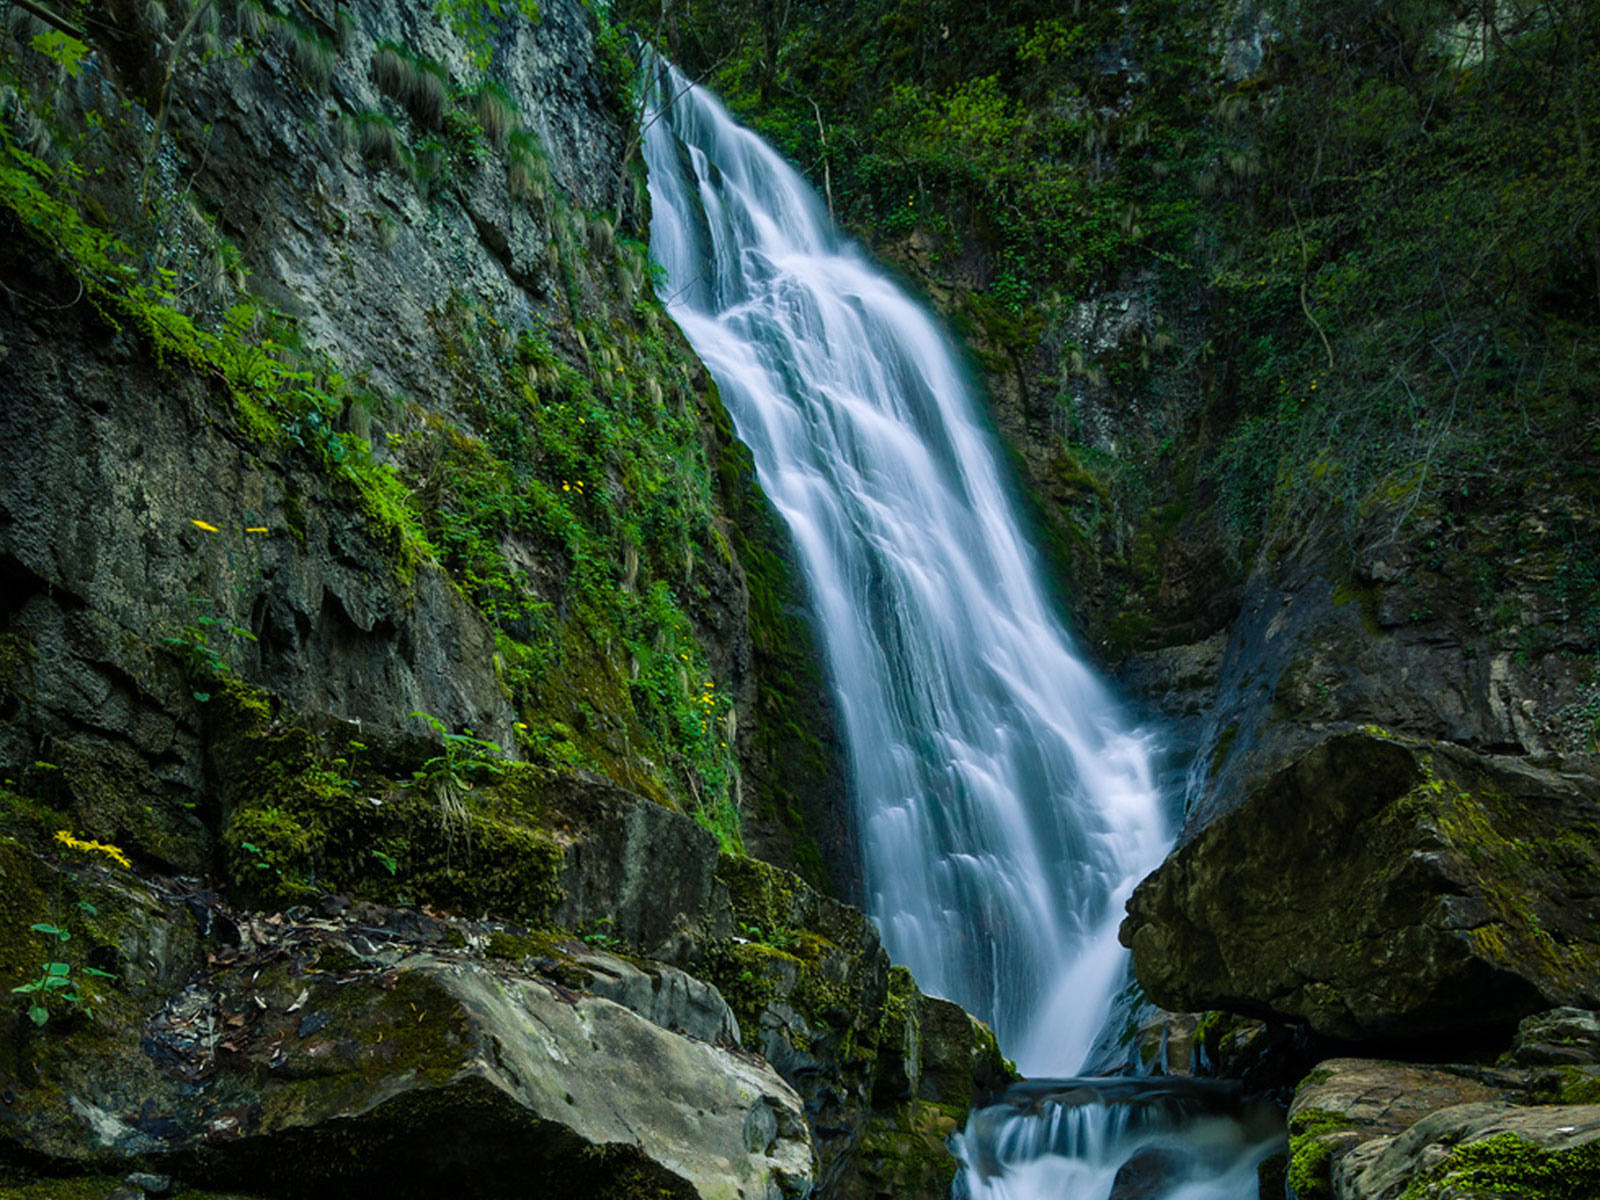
1005, 805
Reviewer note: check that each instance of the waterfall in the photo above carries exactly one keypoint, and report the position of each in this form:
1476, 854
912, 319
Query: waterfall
1005, 805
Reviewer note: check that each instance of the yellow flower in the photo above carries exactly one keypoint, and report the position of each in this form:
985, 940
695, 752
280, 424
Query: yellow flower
209, 528
112, 852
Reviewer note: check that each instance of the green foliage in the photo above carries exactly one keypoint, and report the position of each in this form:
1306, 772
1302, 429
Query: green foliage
465, 762
572, 502
61, 981
1387, 237
600, 935
619, 62
604, 473
781, 937
480, 22
311, 814
63, 49
1507, 1165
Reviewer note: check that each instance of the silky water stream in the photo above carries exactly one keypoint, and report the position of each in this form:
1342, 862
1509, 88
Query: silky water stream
1005, 805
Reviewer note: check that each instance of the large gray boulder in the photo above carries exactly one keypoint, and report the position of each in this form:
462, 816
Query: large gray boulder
378, 1049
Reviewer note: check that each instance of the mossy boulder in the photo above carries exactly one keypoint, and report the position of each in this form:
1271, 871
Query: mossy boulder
1488, 1150
886, 1072
1348, 1103
1384, 887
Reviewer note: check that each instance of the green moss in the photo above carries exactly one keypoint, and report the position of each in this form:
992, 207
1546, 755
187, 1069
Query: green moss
1507, 1165
19, 1184
1366, 598
1578, 1087
1310, 1163
1219, 754
1311, 1147
811, 972
22, 903
514, 947
750, 977
299, 823
905, 1151
762, 895
16, 666
1503, 846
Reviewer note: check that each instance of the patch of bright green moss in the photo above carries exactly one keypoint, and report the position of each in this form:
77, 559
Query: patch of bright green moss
1507, 1165
1311, 1152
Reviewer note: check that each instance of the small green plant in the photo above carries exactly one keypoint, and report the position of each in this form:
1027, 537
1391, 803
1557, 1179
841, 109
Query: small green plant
209, 645
780, 937
465, 762
67, 51
58, 976
496, 112
262, 861
601, 935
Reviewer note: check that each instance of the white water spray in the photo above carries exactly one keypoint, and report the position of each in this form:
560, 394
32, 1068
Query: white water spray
1005, 805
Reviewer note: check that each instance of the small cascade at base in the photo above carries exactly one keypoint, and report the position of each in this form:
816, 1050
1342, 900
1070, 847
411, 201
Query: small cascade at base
1127, 1138
1005, 804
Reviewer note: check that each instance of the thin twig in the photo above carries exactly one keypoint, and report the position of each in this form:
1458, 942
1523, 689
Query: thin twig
46, 307
166, 96
50, 18
1305, 303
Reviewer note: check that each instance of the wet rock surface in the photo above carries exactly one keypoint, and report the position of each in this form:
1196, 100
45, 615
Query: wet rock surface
886, 1073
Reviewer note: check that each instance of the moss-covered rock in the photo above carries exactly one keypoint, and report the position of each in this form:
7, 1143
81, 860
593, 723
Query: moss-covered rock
1346, 1103
883, 1069
1485, 1150
1383, 887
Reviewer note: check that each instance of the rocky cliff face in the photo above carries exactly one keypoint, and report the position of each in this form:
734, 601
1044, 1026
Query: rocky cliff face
397, 656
